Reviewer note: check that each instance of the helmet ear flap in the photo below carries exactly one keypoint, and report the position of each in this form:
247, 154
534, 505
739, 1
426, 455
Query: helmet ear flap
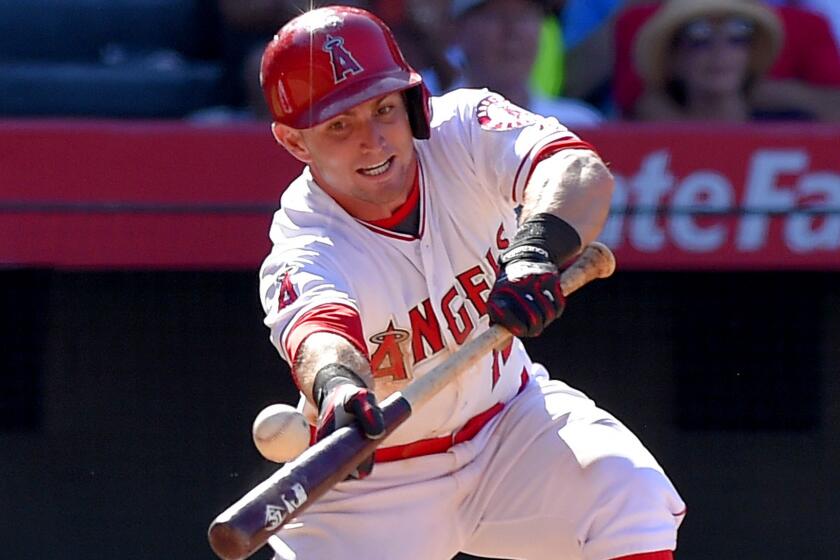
419, 110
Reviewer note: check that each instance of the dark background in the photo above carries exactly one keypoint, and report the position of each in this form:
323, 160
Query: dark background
126, 400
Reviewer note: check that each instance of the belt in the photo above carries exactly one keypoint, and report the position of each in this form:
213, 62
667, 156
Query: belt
438, 444
443, 443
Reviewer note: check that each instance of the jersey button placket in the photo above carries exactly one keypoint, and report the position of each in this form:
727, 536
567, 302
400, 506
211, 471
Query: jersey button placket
439, 279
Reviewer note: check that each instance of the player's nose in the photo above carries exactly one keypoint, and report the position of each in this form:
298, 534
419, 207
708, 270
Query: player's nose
371, 137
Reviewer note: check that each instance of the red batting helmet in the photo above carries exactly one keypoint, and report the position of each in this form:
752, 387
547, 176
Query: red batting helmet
328, 60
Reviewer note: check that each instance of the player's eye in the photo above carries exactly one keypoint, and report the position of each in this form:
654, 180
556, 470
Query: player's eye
385, 109
337, 126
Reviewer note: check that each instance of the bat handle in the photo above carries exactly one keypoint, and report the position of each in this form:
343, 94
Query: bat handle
596, 261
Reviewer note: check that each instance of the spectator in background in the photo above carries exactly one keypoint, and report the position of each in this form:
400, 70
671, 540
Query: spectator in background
497, 46
422, 30
701, 59
418, 26
803, 81
588, 35
806, 75
247, 27
548, 72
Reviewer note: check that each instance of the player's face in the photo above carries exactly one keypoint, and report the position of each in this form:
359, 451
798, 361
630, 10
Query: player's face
364, 158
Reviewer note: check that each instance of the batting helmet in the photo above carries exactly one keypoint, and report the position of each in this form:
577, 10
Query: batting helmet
330, 59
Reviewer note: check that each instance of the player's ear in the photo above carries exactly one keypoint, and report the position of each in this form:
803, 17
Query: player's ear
291, 139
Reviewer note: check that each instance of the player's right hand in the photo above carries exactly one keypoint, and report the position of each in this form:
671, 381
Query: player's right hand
527, 295
345, 403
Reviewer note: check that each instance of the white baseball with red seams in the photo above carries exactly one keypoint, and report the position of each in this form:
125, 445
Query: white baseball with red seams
419, 298
280, 432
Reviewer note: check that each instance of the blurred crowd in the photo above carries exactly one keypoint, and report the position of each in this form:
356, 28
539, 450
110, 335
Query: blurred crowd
583, 61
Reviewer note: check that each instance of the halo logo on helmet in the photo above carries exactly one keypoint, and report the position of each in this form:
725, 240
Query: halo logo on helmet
343, 63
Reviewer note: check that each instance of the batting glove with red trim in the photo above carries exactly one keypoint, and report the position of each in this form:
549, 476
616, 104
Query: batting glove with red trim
527, 295
343, 398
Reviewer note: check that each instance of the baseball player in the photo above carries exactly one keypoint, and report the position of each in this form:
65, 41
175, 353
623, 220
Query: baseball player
400, 241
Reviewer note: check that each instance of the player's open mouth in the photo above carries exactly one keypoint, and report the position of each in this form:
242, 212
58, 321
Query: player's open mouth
378, 169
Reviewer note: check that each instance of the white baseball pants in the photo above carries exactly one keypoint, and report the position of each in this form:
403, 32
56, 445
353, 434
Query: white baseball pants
550, 477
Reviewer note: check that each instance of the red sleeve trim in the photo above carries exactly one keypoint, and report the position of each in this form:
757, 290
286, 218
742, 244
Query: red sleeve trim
565, 143
658, 555
336, 318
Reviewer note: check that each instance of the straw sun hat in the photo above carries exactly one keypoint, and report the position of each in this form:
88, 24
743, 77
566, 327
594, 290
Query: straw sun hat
656, 37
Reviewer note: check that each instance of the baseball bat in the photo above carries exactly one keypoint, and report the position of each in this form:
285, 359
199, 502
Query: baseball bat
246, 525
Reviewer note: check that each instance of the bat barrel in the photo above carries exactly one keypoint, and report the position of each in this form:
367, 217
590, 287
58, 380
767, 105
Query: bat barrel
245, 526
228, 542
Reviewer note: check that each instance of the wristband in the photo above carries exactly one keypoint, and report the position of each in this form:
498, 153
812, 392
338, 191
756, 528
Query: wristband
329, 377
543, 237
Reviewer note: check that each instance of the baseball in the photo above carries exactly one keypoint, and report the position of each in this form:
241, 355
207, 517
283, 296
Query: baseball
280, 432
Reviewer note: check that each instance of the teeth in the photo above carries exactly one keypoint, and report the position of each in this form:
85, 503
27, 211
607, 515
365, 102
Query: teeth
377, 169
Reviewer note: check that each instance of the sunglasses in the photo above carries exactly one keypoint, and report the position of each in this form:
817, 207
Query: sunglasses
701, 33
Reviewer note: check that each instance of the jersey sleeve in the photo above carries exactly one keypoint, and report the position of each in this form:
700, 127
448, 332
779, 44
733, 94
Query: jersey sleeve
503, 141
336, 318
303, 292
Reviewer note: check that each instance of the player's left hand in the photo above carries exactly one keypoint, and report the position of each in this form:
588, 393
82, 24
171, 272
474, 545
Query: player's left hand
527, 295
344, 404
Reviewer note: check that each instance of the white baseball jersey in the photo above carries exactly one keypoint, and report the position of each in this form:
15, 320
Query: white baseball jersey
419, 297
551, 475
